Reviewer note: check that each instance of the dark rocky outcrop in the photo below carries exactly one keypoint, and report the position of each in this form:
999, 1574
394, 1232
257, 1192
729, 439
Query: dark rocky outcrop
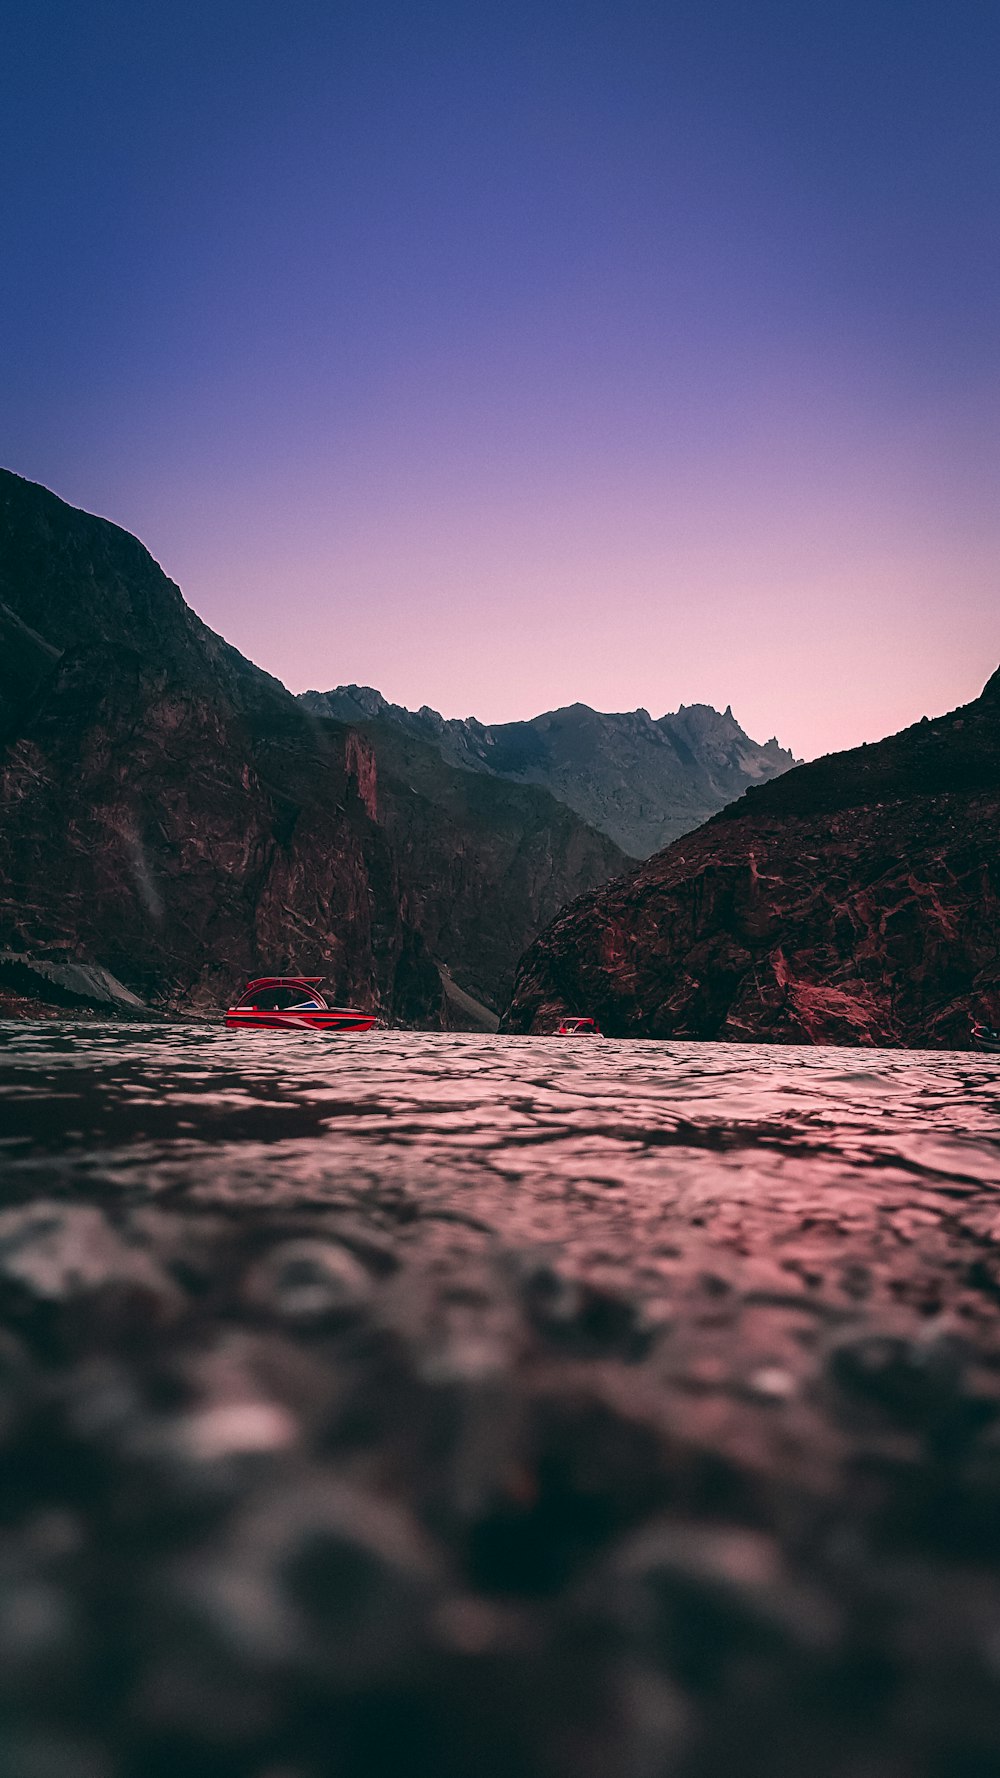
171, 814
168, 811
855, 900
60, 982
640, 781
484, 861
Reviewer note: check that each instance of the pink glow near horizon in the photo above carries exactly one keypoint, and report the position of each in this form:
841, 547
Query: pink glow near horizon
828, 601
507, 357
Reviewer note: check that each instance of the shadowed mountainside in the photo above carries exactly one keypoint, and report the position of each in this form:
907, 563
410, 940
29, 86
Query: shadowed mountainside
172, 814
641, 782
484, 861
856, 900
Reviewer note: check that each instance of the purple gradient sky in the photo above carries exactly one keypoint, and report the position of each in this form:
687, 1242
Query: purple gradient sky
503, 355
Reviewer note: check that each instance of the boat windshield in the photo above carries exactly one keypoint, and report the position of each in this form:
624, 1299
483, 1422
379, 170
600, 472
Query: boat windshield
282, 999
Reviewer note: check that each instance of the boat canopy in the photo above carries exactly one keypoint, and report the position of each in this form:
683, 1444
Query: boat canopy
283, 981
283, 993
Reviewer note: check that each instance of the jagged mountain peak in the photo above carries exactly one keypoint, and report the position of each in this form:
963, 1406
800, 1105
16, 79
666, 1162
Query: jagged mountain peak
641, 780
854, 900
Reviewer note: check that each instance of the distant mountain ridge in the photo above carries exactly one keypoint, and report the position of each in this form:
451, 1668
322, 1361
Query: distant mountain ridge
642, 781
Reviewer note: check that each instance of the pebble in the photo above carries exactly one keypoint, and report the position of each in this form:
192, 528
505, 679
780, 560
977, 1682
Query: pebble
58, 1253
324, 1576
589, 1317
698, 1593
479, 1524
911, 1378
308, 1284
771, 1383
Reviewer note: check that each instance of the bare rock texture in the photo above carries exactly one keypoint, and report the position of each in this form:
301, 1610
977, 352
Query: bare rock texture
64, 983
639, 780
856, 900
486, 863
169, 813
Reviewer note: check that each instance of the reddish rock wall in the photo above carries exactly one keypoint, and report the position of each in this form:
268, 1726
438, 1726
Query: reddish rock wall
169, 811
166, 808
856, 900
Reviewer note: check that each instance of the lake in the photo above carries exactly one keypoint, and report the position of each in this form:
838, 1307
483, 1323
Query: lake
447, 1403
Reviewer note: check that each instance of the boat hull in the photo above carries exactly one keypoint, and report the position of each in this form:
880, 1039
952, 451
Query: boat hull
331, 1019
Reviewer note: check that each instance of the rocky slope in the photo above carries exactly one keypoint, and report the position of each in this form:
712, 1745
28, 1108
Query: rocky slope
641, 782
169, 813
856, 900
484, 861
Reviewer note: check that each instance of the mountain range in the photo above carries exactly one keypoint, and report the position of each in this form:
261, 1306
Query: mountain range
173, 821
854, 900
640, 780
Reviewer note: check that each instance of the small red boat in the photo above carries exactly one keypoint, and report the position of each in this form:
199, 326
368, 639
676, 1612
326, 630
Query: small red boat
579, 1028
292, 1003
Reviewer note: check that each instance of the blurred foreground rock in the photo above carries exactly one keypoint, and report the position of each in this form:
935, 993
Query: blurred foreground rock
324, 1493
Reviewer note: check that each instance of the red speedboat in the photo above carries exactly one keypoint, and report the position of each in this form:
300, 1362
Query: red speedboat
292, 1003
579, 1028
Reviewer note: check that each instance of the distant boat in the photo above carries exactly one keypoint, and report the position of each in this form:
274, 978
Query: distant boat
292, 1003
579, 1028
985, 1038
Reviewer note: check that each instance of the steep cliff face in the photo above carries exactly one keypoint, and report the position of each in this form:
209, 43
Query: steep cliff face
167, 810
485, 863
172, 814
856, 900
638, 780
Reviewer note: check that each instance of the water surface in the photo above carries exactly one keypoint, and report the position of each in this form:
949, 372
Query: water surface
517, 1407
276, 1113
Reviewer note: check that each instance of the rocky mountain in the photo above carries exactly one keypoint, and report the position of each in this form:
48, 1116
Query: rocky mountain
855, 900
640, 781
173, 821
483, 860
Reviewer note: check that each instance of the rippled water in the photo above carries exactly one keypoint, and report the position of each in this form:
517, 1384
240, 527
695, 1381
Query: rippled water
542, 1136
525, 1408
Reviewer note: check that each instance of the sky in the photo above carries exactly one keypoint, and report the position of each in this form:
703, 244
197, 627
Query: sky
502, 356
